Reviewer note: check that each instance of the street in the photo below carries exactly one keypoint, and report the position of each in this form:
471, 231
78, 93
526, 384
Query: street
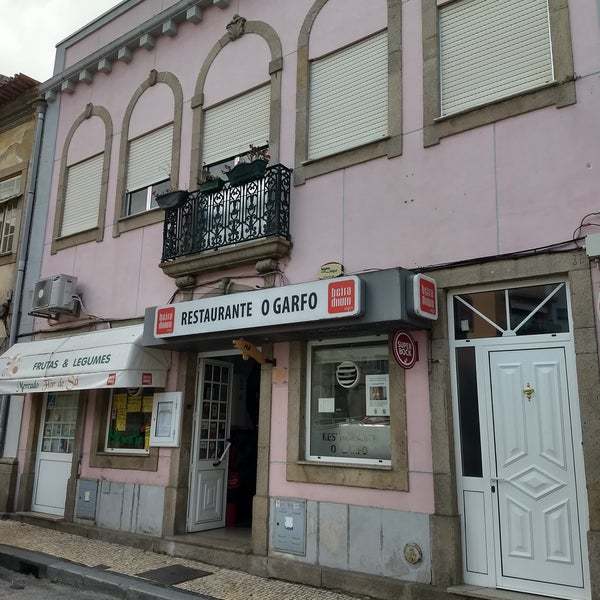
15, 586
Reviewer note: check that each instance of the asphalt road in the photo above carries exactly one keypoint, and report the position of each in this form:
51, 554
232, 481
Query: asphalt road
14, 586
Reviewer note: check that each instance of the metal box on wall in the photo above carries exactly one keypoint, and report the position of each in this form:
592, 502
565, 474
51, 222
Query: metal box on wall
87, 494
289, 526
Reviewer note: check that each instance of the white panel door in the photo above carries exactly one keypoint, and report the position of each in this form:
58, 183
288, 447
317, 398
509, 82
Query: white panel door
536, 488
208, 483
55, 452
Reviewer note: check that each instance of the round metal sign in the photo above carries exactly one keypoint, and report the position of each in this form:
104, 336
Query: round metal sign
404, 349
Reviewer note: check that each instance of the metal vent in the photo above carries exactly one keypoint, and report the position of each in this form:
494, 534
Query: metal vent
347, 374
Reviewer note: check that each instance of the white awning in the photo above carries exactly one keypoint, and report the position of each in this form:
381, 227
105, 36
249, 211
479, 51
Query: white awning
112, 358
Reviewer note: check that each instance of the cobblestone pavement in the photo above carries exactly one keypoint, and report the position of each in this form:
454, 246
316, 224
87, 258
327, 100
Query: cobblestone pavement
223, 584
14, 586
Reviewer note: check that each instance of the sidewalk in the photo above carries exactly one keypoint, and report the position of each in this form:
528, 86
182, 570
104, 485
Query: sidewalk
222, 584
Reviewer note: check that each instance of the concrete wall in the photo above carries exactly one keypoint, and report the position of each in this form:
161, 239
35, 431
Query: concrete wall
363, 539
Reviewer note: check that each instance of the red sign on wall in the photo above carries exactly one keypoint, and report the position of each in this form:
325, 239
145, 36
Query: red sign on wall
165, 320
341, 296
425, 297
404, 349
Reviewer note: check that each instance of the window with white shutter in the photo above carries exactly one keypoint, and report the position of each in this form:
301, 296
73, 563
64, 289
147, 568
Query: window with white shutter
230, 127
10, 187
8, 219
148, 169
492, 49
82, 197
348, 97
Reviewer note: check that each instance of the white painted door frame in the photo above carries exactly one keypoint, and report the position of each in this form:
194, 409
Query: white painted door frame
51, 458
491, 575
196, 465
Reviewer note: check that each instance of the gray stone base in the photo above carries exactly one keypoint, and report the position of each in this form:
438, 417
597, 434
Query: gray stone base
361, 539
8, 482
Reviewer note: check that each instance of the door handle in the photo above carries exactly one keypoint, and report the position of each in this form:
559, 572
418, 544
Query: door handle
223, 455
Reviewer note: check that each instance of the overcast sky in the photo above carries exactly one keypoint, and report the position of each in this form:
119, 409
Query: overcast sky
30, 29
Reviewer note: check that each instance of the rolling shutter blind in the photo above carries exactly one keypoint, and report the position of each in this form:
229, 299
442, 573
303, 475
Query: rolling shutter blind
231, 127
82, 198
491, 49
149, 159
348, 97
10, 187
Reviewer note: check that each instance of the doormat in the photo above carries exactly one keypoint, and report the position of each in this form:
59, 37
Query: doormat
173, 574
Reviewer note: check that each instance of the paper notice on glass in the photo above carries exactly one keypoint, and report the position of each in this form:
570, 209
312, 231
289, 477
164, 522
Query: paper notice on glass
377, 395
134, 405
147, 404
326, 405
164, 414
120, 407
147, 438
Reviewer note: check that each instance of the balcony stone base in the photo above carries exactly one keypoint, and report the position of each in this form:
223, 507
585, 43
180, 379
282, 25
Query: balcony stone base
184, 267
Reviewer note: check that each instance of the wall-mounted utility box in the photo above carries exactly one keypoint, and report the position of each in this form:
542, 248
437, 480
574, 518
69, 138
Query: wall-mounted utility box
289, 526
87, 494
592, 245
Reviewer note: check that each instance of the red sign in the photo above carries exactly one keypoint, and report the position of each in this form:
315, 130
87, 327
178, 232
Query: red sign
404, 349
165, 320
341, 296
425, 297
146, 378
111, 379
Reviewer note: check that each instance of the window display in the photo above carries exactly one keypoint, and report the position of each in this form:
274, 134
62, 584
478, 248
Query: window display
349, 401
129, 417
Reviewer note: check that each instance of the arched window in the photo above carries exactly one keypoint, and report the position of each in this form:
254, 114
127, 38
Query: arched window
149, 152
237, 99
348, 86
83, 181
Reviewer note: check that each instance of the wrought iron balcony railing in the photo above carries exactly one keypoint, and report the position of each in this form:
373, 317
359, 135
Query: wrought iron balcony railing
209, 221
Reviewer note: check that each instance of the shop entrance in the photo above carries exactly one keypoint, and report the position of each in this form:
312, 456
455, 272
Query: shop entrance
518, 441
224, 449
55, 452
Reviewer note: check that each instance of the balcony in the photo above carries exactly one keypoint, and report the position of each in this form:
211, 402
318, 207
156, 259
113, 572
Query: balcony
235, 225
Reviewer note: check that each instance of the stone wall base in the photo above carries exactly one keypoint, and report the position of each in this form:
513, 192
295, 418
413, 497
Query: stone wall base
8, 483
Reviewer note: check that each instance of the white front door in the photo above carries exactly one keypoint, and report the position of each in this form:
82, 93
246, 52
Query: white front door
536, 491
55, 452
210, 456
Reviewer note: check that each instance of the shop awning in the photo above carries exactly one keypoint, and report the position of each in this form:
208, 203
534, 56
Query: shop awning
111, 358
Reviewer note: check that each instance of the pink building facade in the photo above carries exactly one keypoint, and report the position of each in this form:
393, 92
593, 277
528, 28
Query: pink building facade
446, 138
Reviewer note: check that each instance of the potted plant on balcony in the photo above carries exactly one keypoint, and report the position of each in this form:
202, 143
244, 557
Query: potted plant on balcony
210, 183
171, 198
251, 167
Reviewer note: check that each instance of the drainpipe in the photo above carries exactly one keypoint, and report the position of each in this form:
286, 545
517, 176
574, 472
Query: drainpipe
22, 255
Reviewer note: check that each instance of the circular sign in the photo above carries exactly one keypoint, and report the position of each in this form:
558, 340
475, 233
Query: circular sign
404, 349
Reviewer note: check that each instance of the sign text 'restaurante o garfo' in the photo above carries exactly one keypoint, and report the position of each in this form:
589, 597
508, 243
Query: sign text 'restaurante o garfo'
314, 301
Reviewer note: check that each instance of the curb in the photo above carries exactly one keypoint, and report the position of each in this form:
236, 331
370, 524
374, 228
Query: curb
75, 575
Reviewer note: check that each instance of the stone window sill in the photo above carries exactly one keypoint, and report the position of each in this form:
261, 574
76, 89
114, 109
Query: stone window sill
136, 462
145, 219
348, 465
76, 239
346, 158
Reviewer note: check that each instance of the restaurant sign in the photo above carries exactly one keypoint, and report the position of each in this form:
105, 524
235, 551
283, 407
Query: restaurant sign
314, 301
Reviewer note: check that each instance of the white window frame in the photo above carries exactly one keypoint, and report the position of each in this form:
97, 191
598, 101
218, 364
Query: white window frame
18, 176
8, 208
382, 339
149, 206
143, 452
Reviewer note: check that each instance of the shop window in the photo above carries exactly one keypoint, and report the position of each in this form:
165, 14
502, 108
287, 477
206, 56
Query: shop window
129, 418
348, 402
468, 408
148, 170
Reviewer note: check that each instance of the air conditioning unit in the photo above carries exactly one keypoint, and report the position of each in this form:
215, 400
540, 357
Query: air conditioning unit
54, 295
